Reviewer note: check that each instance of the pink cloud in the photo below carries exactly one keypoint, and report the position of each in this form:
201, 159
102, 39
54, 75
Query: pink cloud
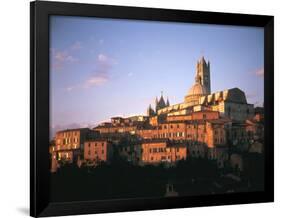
60, 58
97, 80
99, 76
93, 81
259, 72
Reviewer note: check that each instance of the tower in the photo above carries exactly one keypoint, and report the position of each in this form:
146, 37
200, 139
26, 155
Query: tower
203, 71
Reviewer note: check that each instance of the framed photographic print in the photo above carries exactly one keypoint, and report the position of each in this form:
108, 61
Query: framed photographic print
141, 109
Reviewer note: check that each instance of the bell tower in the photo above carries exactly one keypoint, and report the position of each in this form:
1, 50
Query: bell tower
203, 72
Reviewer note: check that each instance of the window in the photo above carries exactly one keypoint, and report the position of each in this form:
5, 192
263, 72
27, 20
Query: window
171, 126
102, 151
204, 116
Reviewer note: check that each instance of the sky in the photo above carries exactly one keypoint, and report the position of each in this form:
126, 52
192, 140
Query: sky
100, 68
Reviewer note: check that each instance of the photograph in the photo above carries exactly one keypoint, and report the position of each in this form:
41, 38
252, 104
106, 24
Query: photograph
154, 109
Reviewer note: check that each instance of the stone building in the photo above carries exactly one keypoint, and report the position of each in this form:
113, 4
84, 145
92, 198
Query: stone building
97, 151
161, 151
204, 125
231, 103
68, 145
120, 125
70, 142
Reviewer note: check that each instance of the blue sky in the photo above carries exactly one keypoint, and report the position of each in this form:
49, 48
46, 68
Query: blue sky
101, 68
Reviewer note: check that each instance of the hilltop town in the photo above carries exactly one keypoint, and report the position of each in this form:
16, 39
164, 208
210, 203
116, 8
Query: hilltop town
220, 126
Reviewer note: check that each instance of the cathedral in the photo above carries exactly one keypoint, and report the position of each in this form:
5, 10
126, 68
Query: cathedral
204, 124
231, 103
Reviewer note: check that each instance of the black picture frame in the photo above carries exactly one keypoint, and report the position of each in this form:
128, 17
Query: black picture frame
39, 107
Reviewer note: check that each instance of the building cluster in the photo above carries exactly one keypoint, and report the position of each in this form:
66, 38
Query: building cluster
204, 125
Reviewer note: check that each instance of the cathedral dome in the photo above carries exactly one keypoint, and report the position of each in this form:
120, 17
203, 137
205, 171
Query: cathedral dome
197, 89
195, 92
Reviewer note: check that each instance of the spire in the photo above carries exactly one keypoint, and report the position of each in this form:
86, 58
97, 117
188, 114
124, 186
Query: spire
161, 103
168, 103
150, 111
203, 59
161, 98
